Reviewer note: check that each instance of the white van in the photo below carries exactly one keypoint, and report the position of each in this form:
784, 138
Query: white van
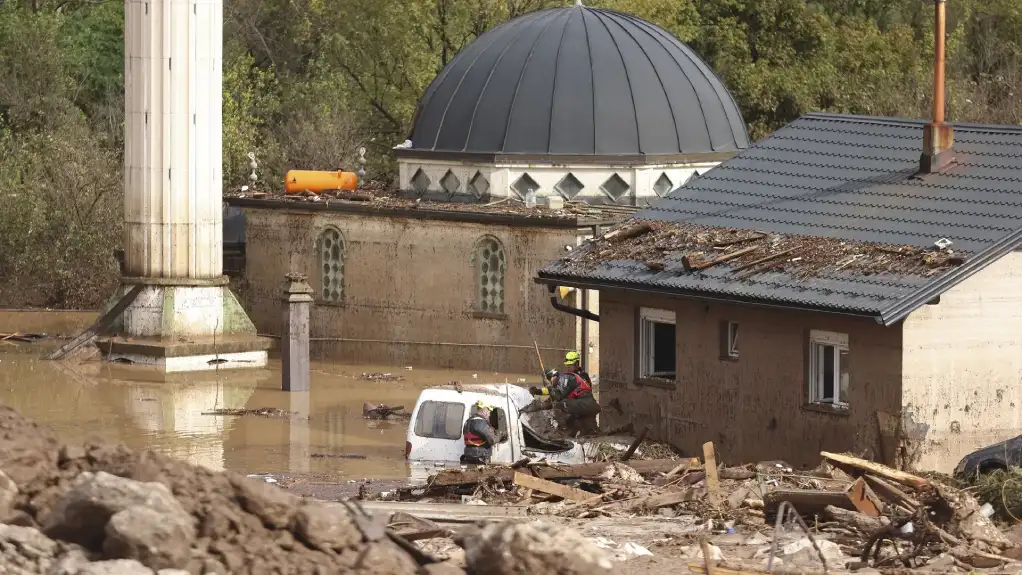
435, 429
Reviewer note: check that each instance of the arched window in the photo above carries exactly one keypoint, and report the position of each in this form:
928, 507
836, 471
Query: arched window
331, 249
490, 266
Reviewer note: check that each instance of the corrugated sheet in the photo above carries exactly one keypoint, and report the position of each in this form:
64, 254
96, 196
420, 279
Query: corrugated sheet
852, 178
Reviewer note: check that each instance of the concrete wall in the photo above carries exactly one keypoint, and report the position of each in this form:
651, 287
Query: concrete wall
963, 367
410, 290
501, 177
754, 408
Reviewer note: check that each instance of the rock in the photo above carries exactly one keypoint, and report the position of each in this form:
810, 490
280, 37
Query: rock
23, 549
273, 505
157, 540
69, 564
69, 453
82, 513
623, 473
326, 526
8, 493
441, 569
535, 547
115, 567
172, 572
801, 552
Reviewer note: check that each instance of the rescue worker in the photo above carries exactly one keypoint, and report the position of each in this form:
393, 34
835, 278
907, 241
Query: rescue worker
572, 391
479, 435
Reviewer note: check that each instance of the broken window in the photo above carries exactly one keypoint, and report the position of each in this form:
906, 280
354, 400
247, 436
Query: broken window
498, 421
828, 368
728, 340
490, 264
440, 420
657, 344
332, 248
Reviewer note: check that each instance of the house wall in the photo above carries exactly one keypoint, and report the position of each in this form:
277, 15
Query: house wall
963, 367
501, 178
754, 408
410, 289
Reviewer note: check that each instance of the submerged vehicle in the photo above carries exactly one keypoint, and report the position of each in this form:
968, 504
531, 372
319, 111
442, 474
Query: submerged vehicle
435, 429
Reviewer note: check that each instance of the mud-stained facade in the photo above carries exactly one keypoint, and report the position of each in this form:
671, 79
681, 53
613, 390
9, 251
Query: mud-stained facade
963, 367
400, 290
753, 407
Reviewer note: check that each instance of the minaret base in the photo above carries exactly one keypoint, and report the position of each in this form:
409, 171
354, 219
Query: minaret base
177, 325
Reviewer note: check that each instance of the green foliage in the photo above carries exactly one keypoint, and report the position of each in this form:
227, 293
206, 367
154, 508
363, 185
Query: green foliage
306, 82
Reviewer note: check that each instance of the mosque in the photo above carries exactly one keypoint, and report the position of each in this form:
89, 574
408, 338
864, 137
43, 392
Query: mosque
542, 132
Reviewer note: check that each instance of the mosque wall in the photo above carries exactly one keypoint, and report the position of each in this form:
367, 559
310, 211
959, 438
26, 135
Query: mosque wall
395, 290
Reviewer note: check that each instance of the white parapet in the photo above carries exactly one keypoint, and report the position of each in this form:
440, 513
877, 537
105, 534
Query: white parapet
173, 140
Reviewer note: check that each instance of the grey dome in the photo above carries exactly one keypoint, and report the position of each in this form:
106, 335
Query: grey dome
578, 81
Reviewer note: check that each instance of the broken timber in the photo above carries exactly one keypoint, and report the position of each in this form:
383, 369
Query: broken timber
810, 502
622, 234
562, 491
690, 265
102, 324
712, 481
450, 478
755, 263
854, 464
635, 444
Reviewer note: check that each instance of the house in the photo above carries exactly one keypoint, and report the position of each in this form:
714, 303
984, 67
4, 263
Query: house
848, 283
588, 113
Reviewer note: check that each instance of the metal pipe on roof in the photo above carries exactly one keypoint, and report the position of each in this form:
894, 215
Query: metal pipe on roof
938, 136
939, 31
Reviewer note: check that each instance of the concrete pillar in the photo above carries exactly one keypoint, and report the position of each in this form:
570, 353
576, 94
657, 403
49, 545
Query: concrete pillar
186, 318
298, 439
294, 336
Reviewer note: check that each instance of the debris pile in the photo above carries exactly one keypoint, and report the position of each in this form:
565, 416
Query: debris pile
271, 412
383, 411
380, 377
847, 514
684, 248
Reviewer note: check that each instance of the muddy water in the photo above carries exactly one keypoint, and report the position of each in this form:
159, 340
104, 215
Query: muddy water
327, 441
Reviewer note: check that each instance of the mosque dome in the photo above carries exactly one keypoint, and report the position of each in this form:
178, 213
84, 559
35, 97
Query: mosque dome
578, 81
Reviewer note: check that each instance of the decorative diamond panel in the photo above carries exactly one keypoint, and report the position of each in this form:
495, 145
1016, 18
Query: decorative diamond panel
331, 265
420, 181
523, 185
450, 183
615, 187
663, 185
569, 187
478, 185
491, 263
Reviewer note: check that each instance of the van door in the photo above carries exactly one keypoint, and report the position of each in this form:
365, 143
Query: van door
436, 431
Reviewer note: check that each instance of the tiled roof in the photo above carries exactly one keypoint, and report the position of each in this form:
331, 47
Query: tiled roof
846, 177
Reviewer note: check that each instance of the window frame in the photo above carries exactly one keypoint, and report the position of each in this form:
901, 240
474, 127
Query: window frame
646, 361
729, 350
343, 259
477, 274
821, 342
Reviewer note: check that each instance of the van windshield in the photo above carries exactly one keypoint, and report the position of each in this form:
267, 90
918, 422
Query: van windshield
439, 420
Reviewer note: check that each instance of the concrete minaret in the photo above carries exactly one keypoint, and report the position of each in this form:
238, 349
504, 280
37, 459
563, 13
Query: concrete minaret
185, 317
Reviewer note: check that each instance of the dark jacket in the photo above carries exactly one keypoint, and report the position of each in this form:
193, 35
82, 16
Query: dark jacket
480, 437
571, 385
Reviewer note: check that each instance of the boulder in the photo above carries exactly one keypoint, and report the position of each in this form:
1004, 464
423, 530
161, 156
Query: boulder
25, 550
274, 506
115, 567
8, 493
531, 548
326, 526
157, 540
82, 513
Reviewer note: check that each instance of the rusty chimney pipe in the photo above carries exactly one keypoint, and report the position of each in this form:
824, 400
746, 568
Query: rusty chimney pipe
938, 137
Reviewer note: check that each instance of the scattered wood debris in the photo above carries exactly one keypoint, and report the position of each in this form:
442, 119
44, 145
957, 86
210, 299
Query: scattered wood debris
23, 337
686, 248
383, 411
380, 377
273, 412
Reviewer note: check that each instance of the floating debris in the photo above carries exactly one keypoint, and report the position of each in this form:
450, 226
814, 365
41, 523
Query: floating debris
380, 377
260, 412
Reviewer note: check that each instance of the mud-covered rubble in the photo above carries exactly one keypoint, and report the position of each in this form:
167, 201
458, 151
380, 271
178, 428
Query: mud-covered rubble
98, 509
377, 195
847, 514
685, 248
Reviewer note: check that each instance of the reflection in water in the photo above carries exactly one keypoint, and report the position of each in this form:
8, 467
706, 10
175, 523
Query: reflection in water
326, 438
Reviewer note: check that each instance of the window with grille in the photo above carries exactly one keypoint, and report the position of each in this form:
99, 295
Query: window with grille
490, 265
331, 248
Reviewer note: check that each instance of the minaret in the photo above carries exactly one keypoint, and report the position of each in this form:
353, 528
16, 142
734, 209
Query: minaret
185, 318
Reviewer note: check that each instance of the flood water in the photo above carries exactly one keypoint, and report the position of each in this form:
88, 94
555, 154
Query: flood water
328, 441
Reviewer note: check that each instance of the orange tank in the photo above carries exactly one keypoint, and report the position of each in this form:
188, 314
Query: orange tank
300, 180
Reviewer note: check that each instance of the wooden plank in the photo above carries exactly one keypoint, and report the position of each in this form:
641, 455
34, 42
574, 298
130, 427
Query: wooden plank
101, 325
448, 512
690, 265
708, 561
448, 478
808, 502
712, 481
890, 493
670, 498
861, 465
859, 494
563, 491
635, 444
733, 569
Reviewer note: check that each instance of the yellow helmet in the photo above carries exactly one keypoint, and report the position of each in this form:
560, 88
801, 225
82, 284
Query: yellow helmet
483, 405
572, 357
